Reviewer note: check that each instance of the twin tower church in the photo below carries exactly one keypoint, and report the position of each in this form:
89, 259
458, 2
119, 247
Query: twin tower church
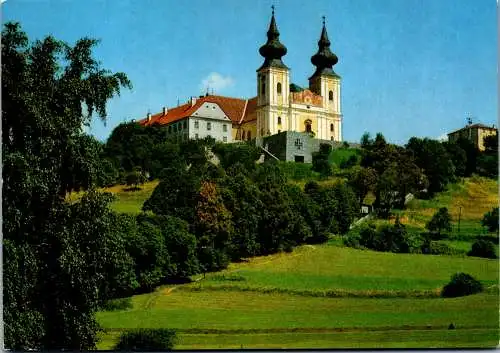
279, 106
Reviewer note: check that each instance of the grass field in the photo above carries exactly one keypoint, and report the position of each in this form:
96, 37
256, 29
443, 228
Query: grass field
342, 154
217, 312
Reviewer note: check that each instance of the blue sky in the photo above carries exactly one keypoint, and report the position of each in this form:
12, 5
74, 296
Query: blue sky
409, 67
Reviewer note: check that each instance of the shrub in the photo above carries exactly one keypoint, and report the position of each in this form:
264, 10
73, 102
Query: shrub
146, 340
490, 220
461, 284
438, 248
483, 248
117, 304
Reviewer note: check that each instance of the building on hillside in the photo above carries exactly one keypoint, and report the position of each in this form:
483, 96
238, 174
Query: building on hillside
475, 133
279, 106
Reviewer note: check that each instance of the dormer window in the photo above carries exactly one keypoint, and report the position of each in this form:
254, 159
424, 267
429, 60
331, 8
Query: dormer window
278, 88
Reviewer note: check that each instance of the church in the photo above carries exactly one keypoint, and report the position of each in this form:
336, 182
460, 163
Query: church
278, 107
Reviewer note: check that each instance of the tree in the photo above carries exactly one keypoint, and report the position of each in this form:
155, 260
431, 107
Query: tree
49, 91
213, 227
490, 220
135, 178
362, 180
441, 221
483, 248
320, 160
458, 157
432, 157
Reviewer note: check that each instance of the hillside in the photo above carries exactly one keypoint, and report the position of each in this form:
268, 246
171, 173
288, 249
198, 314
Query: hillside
280, 296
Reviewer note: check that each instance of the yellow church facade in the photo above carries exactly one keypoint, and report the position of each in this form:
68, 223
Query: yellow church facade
315, 110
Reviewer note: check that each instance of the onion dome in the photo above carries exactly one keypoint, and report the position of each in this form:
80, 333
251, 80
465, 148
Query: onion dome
273, 50
324, 59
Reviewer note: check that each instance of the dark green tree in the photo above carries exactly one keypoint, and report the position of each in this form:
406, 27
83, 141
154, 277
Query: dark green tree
320, 160
441, 221
362, 181
490, 220
49, 91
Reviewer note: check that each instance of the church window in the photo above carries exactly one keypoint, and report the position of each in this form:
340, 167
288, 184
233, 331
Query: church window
209, 126
196, 124
279, 120
224, 139
262, 132
330, 95
224, 128
308, 125
331, 127
263, 85
298, 144
249, 135
278, 87
243, 135
331, 138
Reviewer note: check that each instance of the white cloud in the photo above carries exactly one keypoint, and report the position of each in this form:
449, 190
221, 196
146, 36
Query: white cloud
443, 137
215, 81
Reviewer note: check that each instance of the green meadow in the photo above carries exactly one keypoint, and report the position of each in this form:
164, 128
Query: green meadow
267, 301
330, 296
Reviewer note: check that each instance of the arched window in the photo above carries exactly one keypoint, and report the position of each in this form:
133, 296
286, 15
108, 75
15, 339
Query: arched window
249, 135
308, 125
331, 127
262, 85
243, 135
279, 120
331, 138
330, 95
278, 87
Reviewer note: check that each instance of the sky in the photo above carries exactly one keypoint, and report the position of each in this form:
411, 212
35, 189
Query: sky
408, 67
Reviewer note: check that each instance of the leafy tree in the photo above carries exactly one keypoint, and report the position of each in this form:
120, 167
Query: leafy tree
241, 198
490, 220
483, 248
472, 154
49, 91
347, 207
432, 157
457, 156
213, 227
362, 180
461, 284
135, 178
441, 221
243, 153
308, 210
320, 160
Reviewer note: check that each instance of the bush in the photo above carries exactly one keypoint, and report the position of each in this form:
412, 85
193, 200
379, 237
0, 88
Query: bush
483, 248
146, 340
438, 248
461, 284
490, 220
117, 304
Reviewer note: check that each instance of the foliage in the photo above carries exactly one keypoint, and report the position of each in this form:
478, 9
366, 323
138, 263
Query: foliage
320, 160
117, 304
483, 248
230, 154
461, 284
433, 158
213, 227
135, 178
146, 340
362, 180
441, 221
49, 91
490, 220
350, 162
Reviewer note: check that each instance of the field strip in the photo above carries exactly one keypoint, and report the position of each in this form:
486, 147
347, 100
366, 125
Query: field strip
317, 330
332, 293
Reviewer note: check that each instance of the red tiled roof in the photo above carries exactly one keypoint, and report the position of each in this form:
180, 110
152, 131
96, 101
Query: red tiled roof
473, 126
232, 107
250, 111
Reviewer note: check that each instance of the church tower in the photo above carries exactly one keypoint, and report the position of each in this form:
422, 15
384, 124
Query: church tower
325, 82
273, 85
